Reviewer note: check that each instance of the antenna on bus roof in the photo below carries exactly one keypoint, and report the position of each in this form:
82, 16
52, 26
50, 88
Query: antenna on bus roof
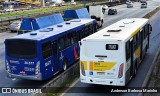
59, 25
33, 33
46, 30
68, 22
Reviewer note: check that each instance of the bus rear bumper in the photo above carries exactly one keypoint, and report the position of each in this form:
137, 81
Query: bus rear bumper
100, 81
34, 77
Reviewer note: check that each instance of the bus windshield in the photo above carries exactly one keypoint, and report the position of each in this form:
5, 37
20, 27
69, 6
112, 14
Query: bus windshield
24, 49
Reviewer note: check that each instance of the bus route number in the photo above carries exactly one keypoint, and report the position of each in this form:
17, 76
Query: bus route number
111, 46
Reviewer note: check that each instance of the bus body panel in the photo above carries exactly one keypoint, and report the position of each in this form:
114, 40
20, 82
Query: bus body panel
101, 65
22, 68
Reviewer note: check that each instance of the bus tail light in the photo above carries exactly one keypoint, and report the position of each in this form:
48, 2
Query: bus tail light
7, 66
37, 68
82, 69
121, 71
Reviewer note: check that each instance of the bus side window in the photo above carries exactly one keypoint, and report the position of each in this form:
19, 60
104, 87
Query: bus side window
69, 36
142, 35
46, 50
61, 44
134, 42
66, 41
82, 33
78, 35
137, 39
91, 29
54, 47
128, 54
147, 30
86, 31
73, 37
144, 32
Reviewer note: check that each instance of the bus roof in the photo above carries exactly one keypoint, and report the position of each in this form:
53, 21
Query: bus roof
47, 32
121, 30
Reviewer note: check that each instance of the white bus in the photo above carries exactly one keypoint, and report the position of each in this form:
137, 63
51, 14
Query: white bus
112, 55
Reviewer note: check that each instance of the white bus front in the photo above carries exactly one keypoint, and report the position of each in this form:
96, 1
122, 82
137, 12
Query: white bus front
102, 62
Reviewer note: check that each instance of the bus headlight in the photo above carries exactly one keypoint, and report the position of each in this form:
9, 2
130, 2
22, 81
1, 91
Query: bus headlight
7, 66
37, 68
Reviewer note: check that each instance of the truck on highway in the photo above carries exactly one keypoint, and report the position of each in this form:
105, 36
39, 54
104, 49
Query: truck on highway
57, 2
97, 12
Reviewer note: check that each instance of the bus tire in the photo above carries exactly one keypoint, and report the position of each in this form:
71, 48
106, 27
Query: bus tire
64, 65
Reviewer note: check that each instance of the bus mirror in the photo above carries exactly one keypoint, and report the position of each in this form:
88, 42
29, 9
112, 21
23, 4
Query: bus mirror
150, 27
79, 43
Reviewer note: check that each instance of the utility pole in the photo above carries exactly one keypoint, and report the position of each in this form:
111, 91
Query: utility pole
43, 3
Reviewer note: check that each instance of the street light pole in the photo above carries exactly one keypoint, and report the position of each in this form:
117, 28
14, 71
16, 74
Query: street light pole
43, 3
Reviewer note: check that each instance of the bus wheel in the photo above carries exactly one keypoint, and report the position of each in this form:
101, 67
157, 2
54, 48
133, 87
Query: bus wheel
64, 65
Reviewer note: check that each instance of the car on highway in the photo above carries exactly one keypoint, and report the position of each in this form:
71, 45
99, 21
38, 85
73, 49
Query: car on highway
143, 5
8, 9
112, 11
14, 26
53, 5
129, 5
29, 7
73, 3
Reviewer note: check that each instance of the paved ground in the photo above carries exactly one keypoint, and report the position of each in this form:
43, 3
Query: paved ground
123, 12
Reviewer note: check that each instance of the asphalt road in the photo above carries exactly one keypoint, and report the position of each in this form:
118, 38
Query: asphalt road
123, 12
82, 89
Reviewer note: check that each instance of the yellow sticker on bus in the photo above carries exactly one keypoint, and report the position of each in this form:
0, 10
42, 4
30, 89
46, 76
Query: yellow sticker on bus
101, 66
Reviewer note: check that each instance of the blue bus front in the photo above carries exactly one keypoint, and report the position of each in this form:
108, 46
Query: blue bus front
21, 58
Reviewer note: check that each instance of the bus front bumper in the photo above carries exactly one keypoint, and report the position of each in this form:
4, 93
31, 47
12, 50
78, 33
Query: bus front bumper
100, 81
34, 77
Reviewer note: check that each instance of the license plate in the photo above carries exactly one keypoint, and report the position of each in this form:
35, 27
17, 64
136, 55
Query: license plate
101, 73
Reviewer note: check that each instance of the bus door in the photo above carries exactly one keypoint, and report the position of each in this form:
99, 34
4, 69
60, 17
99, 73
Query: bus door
55, 56
47, 56
131, 51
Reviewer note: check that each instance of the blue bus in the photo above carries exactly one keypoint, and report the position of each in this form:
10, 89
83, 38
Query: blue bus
41, 54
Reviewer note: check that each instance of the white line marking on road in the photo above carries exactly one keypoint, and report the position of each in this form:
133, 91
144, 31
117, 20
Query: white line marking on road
74, 83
